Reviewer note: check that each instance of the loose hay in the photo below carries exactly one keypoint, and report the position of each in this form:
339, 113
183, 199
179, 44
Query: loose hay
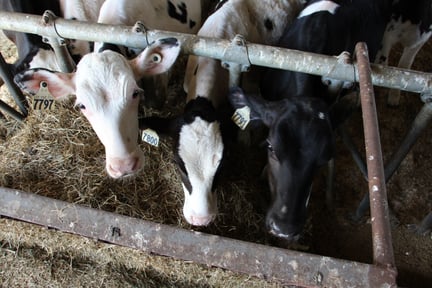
58, 155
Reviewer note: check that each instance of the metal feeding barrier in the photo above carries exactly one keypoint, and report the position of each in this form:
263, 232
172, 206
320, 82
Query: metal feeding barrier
289, 267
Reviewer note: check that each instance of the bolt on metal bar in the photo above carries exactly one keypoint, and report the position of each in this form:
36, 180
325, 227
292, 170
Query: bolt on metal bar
276, 264
261, 55
381, 233
58, 44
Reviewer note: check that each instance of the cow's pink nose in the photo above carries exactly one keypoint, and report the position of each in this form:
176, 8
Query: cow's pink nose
120, 168
200, 220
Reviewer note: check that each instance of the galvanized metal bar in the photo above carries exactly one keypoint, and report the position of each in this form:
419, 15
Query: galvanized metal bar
16, 93
381, 233
420, 123
286, 266
11, 111
58, 44
425, 225
261, 55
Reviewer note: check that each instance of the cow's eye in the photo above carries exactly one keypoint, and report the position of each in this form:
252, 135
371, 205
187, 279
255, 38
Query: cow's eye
269, 146
156, 57
80, 106
136, 93
271, 150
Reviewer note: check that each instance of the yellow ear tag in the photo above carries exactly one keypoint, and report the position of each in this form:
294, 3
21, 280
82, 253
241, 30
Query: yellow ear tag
150, 136
43, 100
241, 117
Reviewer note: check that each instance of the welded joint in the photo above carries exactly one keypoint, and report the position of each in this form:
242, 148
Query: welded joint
140, 28
58, 43
48, 20
237, 50
334, 85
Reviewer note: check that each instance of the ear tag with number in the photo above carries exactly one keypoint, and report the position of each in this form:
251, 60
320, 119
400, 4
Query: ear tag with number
43, 100
241, 117
151, 137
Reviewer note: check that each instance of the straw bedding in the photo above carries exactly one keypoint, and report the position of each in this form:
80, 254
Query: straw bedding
57, 154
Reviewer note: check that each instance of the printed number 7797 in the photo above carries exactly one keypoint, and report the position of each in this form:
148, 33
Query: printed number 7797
42, 104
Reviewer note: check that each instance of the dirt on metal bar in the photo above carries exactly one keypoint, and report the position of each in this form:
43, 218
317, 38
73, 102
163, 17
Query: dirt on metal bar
381, 233
286, 266
261, 55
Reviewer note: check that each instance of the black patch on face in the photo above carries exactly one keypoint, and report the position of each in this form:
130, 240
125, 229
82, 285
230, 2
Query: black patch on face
172, 12
200, 107
192, 24
268, 24
183, 173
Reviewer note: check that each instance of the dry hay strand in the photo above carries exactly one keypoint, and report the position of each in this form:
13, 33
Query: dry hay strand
57, 154
49, 258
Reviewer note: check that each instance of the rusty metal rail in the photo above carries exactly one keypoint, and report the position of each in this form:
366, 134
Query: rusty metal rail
288, 267
381, 235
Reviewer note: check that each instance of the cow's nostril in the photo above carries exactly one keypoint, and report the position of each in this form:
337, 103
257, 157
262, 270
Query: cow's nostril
136, 165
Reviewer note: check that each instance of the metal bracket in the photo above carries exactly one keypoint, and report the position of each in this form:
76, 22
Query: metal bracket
140, 28
335, 85
59, 44
237, 50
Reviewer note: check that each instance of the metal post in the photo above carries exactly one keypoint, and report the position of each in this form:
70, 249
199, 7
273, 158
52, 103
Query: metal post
16, 93
381, 235
420, 123
58, 44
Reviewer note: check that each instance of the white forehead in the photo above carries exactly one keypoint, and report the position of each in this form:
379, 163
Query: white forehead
105, 75
201, 147
320, 6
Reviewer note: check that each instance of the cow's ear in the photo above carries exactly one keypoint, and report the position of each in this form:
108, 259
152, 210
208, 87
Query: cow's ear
156, 58
258, 107
60, 85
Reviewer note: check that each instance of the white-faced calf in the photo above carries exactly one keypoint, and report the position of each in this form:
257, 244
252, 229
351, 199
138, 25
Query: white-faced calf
106, 90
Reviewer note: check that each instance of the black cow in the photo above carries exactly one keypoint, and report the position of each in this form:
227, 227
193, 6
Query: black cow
296, 110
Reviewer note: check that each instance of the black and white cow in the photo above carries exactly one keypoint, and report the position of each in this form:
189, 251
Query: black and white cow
105, 82
200, 146
32, 51
410, 25
184, 16
296, 110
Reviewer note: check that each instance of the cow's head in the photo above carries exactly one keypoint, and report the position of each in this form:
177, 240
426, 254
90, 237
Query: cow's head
106, 90
198, 153
299, 141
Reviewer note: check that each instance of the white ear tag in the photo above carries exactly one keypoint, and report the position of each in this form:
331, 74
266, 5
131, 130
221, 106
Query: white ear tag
241, 117
43, 100
151, 137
